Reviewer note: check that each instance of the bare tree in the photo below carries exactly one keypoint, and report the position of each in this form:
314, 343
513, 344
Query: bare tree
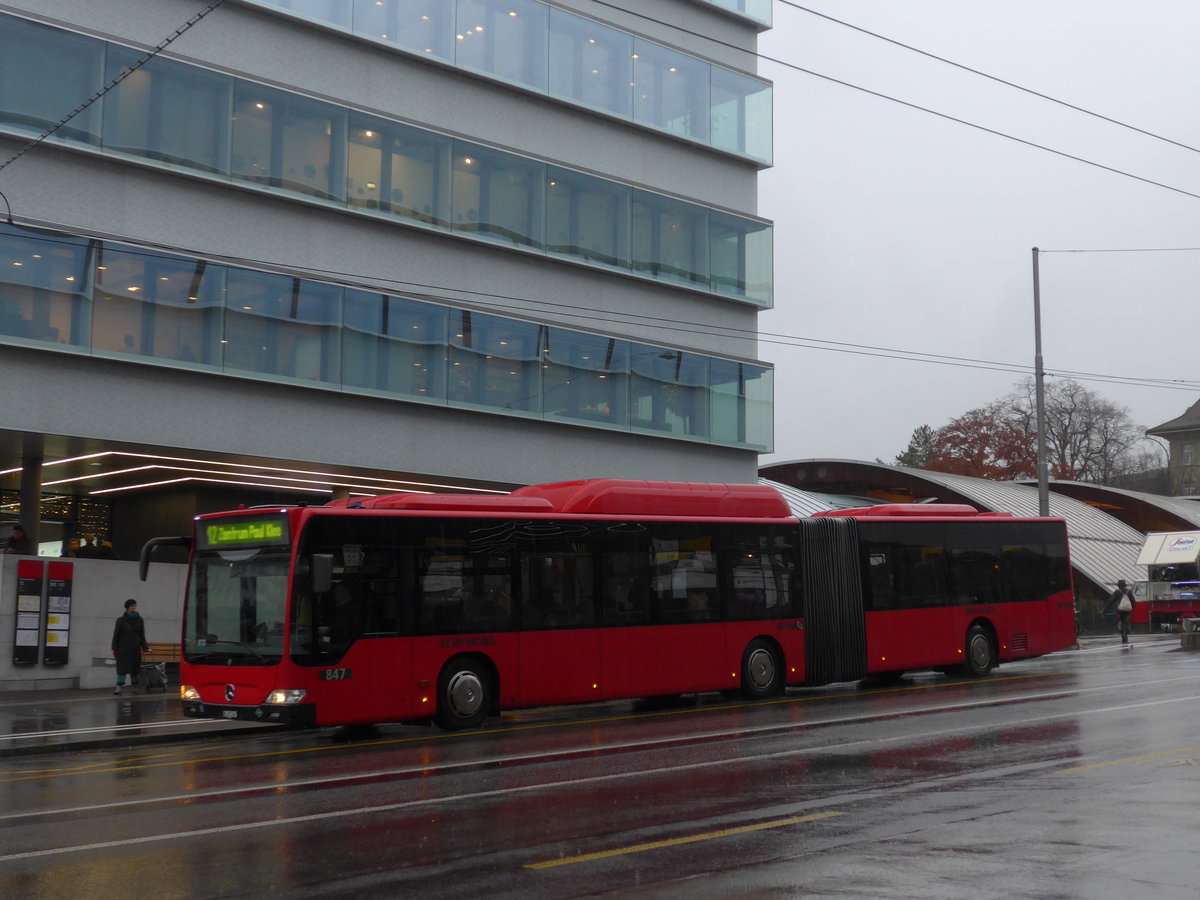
1088, 438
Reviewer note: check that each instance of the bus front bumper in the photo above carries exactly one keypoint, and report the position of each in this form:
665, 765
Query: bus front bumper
302, 715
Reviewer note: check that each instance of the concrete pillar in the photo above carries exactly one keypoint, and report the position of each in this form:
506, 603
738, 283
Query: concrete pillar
31, 486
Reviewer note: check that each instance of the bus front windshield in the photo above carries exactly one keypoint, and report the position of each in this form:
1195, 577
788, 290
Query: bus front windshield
236, 607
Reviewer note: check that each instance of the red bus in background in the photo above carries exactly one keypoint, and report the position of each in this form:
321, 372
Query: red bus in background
448, 608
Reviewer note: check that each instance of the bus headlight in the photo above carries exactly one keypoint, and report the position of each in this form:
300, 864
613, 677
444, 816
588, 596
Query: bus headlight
187, 692
284, 698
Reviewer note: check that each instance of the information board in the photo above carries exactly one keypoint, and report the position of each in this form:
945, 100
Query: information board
59, 581
28, 630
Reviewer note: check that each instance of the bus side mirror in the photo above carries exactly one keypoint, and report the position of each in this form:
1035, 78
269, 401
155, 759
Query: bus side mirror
149, 547
322, 573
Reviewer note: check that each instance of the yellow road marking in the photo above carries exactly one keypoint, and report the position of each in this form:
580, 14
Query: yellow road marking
17, 775
675, 842
1127, 760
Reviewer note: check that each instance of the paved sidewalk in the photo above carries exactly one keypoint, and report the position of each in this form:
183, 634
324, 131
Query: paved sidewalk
45, 721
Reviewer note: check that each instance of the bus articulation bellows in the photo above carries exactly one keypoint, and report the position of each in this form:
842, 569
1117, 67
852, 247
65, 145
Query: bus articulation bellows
448, 608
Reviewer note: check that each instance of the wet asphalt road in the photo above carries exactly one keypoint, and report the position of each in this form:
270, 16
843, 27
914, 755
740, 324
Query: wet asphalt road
1074, 776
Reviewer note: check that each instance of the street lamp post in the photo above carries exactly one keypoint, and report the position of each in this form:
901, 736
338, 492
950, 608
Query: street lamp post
1039, 379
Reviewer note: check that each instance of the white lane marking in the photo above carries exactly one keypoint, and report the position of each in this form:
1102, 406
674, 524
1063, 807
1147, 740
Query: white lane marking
562, 783
109, 729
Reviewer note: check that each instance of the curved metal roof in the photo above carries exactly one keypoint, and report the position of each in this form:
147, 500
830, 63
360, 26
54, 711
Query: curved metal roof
1158, 513
801, 503
1103, 549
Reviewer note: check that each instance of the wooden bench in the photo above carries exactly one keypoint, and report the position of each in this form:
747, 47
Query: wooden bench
161, 652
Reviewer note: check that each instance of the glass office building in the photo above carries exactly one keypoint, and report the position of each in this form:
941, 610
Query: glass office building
466, 240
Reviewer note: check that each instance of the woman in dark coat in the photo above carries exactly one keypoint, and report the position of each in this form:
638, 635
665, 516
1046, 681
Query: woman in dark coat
128, 643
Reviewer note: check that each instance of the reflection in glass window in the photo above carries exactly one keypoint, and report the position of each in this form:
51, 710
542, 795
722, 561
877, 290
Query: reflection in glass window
587, 218
504, 38
494, 362
45, 74
422, 26
397, 169
497, 196
670, 90
740, 256
741, 114
741, 402
158, 305
670, 239
590, 63
287, 141
283, 326
573, 58
585, 377
394, 345
669, 391
684, 580
43, 285
168, 111
335, 12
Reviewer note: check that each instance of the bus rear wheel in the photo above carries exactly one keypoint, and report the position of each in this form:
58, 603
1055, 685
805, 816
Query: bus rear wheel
981, 653
762, 672
464, 695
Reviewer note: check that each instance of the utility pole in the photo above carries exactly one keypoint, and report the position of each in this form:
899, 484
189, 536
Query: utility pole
1039, 379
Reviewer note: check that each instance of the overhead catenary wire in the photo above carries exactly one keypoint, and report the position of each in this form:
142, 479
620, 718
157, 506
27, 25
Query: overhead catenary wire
567, 311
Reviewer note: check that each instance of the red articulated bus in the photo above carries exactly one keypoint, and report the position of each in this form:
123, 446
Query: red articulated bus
448, 608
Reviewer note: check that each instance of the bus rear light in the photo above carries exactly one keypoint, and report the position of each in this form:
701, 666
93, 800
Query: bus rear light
187, 692
285, 697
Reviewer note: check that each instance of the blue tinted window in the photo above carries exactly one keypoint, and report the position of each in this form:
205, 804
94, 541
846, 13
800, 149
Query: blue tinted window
399, 170
585, 378
45, 75
494, 362
590, 63
420, 26
394, 345
288, 142
276, 325
670, 90
168, 111
587, 218
504, 38
669, 391
670, 239
158, 305
43, 284
498, 196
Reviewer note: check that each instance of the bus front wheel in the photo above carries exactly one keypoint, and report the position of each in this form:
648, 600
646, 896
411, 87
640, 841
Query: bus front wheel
981, 654
762, 672
463, 695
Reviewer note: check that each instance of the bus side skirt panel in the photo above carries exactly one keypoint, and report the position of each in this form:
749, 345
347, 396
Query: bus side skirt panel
836, 633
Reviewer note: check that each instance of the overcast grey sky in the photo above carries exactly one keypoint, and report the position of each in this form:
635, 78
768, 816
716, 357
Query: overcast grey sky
898, 229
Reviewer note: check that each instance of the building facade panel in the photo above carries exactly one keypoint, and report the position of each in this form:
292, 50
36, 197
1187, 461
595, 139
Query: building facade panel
283, 241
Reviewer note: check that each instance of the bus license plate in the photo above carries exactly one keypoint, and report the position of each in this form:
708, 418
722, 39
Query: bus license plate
229, 713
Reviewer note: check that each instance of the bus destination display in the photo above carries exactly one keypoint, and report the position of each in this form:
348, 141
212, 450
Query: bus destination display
243, 532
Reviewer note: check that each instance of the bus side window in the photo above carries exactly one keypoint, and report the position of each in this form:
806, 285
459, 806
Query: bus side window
623, 596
